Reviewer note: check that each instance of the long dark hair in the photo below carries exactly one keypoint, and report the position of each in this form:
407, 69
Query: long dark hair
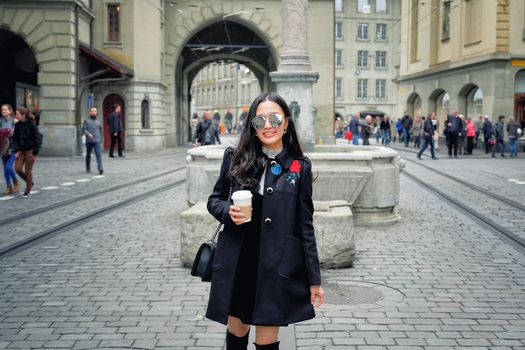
248, 158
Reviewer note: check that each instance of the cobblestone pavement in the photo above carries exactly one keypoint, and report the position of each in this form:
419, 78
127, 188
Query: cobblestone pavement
434, 280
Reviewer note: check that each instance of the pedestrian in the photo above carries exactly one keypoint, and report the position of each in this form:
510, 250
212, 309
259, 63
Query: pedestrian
386, 133
339, 128
435, 135
499, 134
479, 127
353, 127
7, 127
116, 129
377, 129
27, 142
453, 127
487, 133
462, 135
407, 128
417, 129
512, 132
366, 130
399, 130
427, 135
207, 131
470, 131
93, 131
266, 271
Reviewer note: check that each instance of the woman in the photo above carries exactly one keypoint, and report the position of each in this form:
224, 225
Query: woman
385, 130
266, 271
26, 142
7, 126
417, 129
512, 132
471, 135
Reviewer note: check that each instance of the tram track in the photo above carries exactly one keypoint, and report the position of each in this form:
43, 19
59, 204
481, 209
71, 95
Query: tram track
512, 237
65, 226
38, 211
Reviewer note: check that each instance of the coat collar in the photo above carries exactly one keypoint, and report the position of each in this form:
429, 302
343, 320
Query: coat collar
285, 158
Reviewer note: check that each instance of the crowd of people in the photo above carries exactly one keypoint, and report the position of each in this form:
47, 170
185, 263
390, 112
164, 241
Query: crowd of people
462, 134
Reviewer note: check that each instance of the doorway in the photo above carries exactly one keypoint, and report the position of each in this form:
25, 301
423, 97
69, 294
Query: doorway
108, 104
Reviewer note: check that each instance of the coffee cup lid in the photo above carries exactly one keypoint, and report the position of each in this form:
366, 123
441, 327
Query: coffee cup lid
243, 194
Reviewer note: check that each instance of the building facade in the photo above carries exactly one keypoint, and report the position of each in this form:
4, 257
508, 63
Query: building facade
463, 54
367, 51
59, 57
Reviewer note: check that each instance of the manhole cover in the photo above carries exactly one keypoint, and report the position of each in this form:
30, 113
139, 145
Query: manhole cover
351, 295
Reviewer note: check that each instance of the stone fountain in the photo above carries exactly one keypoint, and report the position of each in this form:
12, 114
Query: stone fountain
353, 185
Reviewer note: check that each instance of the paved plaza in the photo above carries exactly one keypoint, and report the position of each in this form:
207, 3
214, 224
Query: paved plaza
435, 280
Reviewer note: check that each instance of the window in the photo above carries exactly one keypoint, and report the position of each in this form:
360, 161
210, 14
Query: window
380, 6
338, 30
338, 88
445, 34
381, 31
362, 86
380, 89
362, 59
338, 5
362, 31
380, 59
113, 22
363, 6
414, 31
144, 114
339, 58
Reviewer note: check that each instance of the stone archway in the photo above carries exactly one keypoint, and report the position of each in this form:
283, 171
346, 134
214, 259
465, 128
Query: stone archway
413, 105
226, 30
18, 73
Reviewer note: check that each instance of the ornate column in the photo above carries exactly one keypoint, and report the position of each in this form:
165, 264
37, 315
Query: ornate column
294, 77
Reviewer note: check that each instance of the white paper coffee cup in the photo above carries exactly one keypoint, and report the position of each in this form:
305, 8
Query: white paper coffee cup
243, 200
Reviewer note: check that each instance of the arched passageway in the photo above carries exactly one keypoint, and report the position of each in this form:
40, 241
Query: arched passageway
222, 40
18, 73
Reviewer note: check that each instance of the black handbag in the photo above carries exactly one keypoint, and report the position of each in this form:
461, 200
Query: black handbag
204, 258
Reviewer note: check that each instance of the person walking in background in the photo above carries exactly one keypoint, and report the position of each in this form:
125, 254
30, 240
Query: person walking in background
453, 127
499, 134
512, 132
366, 130
7, 127
399, 130
386, 133
435, 135
487, 133
339, 127
427, 135
116, 129
207, 131
377, 130
353, 126
470, 131
462, 135
266, 270
417, 129
479, 127
27, 142
93, 131
407, 128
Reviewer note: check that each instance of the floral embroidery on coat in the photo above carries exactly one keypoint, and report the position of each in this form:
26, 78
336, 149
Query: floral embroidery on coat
293, 175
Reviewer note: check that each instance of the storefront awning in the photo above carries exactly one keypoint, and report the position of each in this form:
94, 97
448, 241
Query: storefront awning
103, 65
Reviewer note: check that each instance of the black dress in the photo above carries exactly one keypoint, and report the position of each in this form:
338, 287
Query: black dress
245, 285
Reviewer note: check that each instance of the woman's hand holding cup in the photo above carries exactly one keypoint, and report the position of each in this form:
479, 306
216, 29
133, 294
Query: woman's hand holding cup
237, 215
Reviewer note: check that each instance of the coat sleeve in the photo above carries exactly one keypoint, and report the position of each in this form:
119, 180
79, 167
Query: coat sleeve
218, 203
37, 139
305, 212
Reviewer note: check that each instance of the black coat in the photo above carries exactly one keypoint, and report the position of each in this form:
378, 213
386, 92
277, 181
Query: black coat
288, 259
115, 123
27, 137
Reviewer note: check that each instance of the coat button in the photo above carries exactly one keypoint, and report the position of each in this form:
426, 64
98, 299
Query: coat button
269, 190
267, 221
273, 162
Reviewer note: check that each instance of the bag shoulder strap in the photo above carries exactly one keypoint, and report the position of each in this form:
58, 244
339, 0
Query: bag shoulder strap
214, 237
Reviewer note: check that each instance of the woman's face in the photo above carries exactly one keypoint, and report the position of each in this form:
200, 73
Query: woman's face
18, 116
271, 136
5, 111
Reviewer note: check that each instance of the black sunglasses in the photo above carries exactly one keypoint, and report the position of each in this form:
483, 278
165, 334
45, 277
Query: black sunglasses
275, 120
